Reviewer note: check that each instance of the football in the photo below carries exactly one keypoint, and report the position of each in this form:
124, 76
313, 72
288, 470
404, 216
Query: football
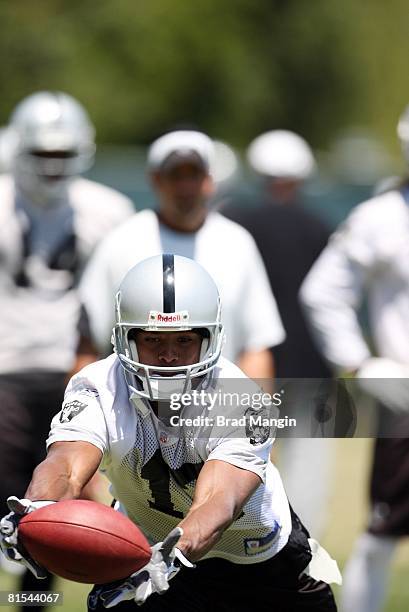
84, 541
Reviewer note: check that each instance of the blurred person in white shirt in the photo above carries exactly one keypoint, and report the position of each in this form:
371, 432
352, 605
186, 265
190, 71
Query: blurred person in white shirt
183, 224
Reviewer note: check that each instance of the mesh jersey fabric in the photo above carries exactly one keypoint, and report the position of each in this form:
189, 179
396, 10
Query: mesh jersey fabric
154, 472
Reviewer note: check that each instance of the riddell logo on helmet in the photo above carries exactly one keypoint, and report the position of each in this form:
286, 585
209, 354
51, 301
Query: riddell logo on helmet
165, 317
168, 318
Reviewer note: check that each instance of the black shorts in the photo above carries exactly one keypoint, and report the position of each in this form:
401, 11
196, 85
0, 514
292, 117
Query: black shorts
217, 585
28, 401
390, 478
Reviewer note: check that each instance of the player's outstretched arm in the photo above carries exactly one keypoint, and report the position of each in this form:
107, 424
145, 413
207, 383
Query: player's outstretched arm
221, 491
65, 471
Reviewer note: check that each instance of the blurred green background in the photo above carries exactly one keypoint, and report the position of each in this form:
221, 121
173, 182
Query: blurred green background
235, 67
332, 71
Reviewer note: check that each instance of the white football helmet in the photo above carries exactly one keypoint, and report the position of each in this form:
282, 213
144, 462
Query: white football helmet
167, 293
53, 142
403, 132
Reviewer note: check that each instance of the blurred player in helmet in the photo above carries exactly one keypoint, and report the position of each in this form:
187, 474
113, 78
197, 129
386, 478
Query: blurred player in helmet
179, 165
54, 142
51, 219
208, 496
367, 259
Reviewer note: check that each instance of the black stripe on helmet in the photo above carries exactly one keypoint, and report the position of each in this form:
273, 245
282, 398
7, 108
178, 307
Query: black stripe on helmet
168, 262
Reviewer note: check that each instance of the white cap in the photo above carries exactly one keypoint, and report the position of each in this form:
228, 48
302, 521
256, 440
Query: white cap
281, 153
179, 146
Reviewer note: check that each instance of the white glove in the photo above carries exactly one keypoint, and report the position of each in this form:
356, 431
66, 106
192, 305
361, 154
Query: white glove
165, 563
393, 393
9, 544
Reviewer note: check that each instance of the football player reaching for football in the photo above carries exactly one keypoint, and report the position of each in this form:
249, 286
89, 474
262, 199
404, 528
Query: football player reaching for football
209, 499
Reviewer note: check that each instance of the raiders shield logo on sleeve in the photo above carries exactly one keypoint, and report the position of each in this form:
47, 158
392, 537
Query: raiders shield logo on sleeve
70, 410
257, 425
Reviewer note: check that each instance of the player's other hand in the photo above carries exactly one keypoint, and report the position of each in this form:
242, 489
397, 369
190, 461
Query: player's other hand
165, 563
9, 544
387, 381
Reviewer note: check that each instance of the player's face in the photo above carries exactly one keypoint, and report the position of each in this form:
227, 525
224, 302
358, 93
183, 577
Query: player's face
284, 191
183, 187
50, 165
168, 349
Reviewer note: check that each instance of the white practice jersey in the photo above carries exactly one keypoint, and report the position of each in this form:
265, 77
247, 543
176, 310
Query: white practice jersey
368, 256
224, 248
153, 471
42, 254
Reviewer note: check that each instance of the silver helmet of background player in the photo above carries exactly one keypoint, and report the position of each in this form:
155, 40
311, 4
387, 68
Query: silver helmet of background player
53, 141
161, 294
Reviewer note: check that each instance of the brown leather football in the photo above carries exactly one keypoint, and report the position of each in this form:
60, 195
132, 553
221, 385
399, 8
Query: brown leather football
84, 541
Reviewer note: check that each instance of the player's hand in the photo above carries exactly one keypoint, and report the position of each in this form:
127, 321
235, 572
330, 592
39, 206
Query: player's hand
387, 381
165, 563
9, 544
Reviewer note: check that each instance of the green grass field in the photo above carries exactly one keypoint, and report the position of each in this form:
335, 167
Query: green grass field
348, 512
346, 517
